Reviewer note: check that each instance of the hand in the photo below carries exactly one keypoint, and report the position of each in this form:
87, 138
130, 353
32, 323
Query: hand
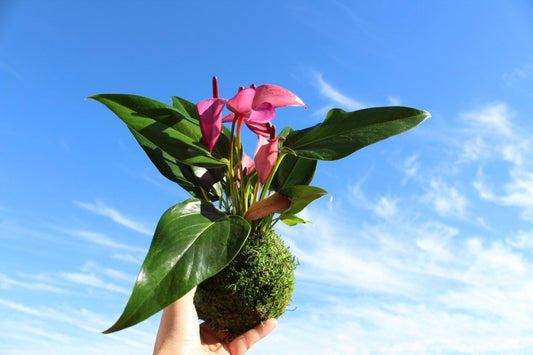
179, 333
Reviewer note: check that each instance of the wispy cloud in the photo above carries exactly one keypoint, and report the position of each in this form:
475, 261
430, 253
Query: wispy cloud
93, 281
128, 258
48, 326
92, 267
394, 100
100, 239
106, 211
7, 282
437, 284
335, 96
446, 200
386, 207
428, 283
492, 138
520, 78
493, 118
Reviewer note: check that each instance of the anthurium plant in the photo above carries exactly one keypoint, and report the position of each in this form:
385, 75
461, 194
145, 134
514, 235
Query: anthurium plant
222, 238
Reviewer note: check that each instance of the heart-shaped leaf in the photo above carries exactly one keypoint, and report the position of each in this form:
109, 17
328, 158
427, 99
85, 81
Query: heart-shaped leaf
193, 241
342, 133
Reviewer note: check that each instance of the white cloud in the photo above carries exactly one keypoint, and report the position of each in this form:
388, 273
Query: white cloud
493, 118
417, 286
495, 138
386, 207
101, 239
93, 281
91, 267
330, 93
520, 78
45, 332
7, 282
445, 199
103, 210
128, 258
394, 101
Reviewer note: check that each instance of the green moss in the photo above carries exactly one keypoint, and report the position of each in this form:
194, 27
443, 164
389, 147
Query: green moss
255, 286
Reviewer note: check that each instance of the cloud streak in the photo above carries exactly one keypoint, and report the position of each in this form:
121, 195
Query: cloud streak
336, 97
100, 239
106, 211
7, 282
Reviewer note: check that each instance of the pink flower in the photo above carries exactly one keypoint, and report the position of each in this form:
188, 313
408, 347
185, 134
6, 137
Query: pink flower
256, 106
266, 155
248, 164
210, 112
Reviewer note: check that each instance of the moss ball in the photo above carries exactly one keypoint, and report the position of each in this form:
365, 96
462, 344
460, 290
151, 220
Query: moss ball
255, 286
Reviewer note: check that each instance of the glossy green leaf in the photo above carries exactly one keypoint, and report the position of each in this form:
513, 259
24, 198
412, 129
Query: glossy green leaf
193, 241
199, 182
301, 196
292, 220
166, 127
342, 133
294, 171
185, 107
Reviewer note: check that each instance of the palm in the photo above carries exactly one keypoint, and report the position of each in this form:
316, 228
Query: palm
222, 342
178, 333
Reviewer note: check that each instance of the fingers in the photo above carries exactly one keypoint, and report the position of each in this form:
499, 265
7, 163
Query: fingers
243, 342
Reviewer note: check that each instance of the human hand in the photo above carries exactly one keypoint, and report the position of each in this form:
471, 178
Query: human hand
179, 333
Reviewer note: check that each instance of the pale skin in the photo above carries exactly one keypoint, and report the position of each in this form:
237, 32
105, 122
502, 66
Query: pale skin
180, 334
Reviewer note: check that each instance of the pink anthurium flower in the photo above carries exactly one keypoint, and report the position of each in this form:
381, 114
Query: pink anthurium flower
248, 165
256, 106
210, 112
266, 155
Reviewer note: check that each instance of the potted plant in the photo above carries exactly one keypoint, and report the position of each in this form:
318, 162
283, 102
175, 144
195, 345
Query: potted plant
222, 238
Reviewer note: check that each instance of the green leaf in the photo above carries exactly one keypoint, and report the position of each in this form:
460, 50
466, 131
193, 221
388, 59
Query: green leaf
294, 171
166, 127
185, 107
342, 133
193, 241
188, 177
301, 196
291, 219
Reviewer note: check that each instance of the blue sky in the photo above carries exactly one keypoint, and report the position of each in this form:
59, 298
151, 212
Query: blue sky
425, 247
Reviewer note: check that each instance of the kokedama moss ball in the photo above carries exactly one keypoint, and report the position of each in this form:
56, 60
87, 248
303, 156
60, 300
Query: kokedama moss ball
255, 286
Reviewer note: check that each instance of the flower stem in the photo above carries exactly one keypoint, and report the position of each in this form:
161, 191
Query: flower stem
230, 174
